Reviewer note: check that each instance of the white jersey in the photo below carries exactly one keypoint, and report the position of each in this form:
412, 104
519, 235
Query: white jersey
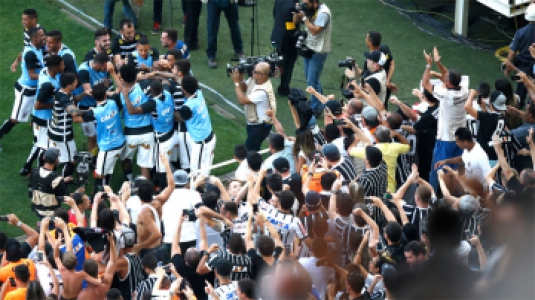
451, 114
172, 211
288, 226
226, 291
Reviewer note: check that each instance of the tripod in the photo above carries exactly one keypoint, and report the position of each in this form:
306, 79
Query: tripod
254, 24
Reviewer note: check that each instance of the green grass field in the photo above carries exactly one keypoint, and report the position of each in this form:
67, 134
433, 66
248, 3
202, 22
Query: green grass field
352, 19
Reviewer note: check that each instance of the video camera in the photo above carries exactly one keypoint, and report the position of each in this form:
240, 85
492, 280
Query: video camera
247, 64
300, 45
349, 63
82, 170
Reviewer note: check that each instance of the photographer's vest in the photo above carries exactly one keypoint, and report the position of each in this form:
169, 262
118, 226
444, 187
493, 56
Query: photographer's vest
381, 77
321, 42
250, 109
44, 201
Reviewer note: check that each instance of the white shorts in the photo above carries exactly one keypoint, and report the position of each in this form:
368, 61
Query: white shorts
24, 101
89, 129
144, 143
106, 161
67, 150
183, 149
40, 134
202, 156
165, 148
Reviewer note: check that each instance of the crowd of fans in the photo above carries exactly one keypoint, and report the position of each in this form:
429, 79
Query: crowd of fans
431, 201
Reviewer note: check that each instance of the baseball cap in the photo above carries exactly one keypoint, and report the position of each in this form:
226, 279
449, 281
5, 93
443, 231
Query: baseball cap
51, 153
223, 267
281, 164
330, 151
369, 113
129, 237
181, 177
376, 56
468, 204
137, 181
13, 250
530, 13
312, 199
498, 100
334, 107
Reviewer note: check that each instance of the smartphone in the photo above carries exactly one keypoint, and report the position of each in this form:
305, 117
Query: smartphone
317, 158
160, 264
362, 82
167, 268
368, 200
503, 67
255, 208
104, 196
338, 122
40, 256
479, 98
468, 234
387, 196
4, 219
12, 281
515, 77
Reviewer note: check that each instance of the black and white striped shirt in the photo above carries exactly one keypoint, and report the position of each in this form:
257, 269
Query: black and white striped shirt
308, 222
122, 47
134, 276
346, 169
345, 230
239, 225
374, 180
417, 216
227, 291
26, 35
405, 161
145, 285
510, 146
60, 127
242, 267
473, 221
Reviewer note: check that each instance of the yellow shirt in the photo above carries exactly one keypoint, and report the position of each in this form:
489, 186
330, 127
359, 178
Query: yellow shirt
390, 151
18, 294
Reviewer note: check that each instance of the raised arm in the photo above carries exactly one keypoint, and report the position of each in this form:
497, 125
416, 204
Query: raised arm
110, 267
42, 234
295, 116
373, 226
358, 256
506, 168
175, 248
407, 110
276, 123
337, 185
249, 244
468, 107
531, 144
359, 133
480, 252
32, 236
489, 177
203, 244
413, 177
436, 56
223, 191
377, 202
79, 216
311, 90
453, 201
166, 193
426, 77
94, 209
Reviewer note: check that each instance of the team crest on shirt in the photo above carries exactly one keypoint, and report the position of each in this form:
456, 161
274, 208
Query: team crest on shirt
137, 36
151, 52
108, 51
132, 146
121, 41
145, 146
169, 152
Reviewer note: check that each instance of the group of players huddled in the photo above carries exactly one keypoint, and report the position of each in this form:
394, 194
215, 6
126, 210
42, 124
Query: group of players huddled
126, 96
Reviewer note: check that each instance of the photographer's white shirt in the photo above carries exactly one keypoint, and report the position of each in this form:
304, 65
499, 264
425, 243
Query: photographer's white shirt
261, 101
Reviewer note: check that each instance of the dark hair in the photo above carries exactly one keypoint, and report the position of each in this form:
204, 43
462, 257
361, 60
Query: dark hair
454, 77
145, 191
67, 79
274, 182
247, 286
320, 227
374, 156
327, 179
484, 89
143, 41
99, 91
22, 273
424, 194
192, 258
444, 225
91, 267
358, 219
235, 243
128, 73
183, 65
172, 34
62, 214
106, 219
114, 294
35, 291
349, 137
126, 22
53, 61
394, 120
331, 132
3, 240
265, 245
356, 281
56, 34
394, 231
416, 247
276, 141
190, 84
30, 12
254, 160
101, 58
32, 32
156, 88
149, 261
240, 151
304, 141
177, 54
375, 38
231, 207
463, 134
101, 32
344, 204
286, 200
209, 199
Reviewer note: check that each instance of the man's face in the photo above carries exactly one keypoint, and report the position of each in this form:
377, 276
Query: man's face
61, 67
368, 43
164, 40
371, 266
28, 22
99, 67
103, 42
171, 60
234, 188
128, 32
39, 39
53, 44
410, 257
72, 87
460, 144
371, 64
143, 50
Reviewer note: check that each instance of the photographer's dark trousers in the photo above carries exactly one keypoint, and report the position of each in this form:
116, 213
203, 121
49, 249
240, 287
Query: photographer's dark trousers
256, 134
157, 8
214, 15
192, 11
289, 55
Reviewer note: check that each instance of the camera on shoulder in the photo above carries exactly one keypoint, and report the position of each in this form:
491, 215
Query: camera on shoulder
247, 64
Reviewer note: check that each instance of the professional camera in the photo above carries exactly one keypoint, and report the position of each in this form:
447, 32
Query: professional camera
82, 171
347, 63
247, 64
303, 6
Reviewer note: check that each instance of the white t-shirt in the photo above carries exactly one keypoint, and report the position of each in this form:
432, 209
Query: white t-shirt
45, 279
179, 200
451, 114
320, 275
339, 143
476, 163
261, 100
133, 206
227, 291
242, 171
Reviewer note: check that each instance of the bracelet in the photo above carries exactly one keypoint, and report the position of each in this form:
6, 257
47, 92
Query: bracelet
427, 66
304, 19
19, 224
237, 84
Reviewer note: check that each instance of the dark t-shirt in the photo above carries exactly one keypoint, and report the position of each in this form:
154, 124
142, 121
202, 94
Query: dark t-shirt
259, 265
70, 64
518, 188
426, 127
190, 274
46, 92
389, 59
489, 124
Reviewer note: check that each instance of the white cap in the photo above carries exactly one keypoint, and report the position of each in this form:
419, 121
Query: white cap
530, 13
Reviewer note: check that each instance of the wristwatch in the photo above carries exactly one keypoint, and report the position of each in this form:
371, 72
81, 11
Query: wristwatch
304, 19
19, 224
237, 84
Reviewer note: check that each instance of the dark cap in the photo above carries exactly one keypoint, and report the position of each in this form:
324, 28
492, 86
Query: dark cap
13, 250
334, 107
312, 199
51, 154
223, 267
281, 164
330, 152
376, 56
137, 181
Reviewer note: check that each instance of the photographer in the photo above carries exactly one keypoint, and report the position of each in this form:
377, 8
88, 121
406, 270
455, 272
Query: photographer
317, 20
258, 98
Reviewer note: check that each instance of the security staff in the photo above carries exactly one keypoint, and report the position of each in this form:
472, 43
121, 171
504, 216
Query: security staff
284, 36
144, 58
195, 114
25, 87
162, 109
110, 136
48, 84
47, 186
258, 99
54, 45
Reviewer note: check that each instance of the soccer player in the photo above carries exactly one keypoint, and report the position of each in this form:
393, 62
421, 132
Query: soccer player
138, 128
110, 136
25, 87
102, 44
170, 41
144, 58
55, 46
125, 43
29, 21
48, 84
161, 107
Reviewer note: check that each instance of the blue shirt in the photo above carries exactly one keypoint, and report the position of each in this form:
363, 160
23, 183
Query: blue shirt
524, 37
137, 97
68, 58
45, 94
198, 124
86, 74
78, 248
32, 59
163, 115
109, 125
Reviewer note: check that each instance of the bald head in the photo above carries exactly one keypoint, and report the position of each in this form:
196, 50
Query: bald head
263, 67
192, 257
355, 106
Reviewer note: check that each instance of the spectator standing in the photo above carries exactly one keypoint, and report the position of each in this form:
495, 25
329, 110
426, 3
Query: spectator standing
128, 12
521, 133
374, 179
376, 76
279, 147
157, 8
344, 165
21, 279
192, 10
373, 42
